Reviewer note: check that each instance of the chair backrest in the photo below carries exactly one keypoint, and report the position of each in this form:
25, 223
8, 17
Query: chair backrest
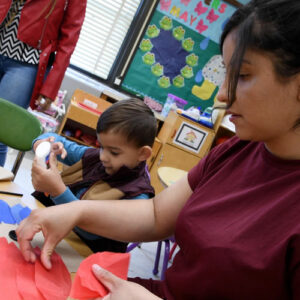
18, 127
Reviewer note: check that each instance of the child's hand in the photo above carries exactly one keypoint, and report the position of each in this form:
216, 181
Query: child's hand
47, 180
50, 139
58, 149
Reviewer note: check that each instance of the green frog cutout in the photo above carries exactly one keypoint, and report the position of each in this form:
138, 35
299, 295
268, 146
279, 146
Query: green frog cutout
152, 31
187, 72
192, 60
178, 33
146, 45
164, 82
166, 23
149, 58
178, 81
188, 44
157, 69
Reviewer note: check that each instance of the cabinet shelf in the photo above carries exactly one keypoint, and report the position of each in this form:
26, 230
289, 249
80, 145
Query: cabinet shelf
75, 140
80, 121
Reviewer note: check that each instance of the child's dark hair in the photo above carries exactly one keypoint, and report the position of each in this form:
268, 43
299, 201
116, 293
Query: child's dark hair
271, 26
131, 118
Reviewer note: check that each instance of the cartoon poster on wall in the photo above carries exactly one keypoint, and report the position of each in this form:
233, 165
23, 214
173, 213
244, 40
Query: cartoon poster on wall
179, 53
190, 137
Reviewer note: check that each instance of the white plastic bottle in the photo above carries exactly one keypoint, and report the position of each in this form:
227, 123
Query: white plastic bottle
41, 153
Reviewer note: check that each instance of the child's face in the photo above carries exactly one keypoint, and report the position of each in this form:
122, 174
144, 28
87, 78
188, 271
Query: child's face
117, 152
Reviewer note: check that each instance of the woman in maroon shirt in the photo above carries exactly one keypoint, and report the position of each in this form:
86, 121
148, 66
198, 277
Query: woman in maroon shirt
236, 215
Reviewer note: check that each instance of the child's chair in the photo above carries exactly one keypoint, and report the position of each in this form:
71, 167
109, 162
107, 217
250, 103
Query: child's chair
167, 255
18, 128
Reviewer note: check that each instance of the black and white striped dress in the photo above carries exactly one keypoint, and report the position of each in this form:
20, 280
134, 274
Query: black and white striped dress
10, 46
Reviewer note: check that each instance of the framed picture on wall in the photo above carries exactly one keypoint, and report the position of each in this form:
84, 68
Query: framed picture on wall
190, 137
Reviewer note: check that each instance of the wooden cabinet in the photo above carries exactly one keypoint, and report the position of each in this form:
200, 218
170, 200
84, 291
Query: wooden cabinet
184, 143
186, 134
170, 156
80, 118
155, 150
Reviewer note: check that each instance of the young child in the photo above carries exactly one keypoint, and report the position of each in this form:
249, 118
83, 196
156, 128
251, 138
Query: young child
118, 170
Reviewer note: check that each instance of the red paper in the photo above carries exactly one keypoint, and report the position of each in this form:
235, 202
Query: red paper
78, 291
23, 280
26, 282
56, 283
86, 285
9, 260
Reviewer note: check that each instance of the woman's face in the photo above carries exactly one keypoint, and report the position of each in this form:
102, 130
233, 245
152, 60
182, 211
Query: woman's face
265, 108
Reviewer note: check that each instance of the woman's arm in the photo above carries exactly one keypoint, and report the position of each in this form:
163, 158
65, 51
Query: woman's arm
142, 220
125, 220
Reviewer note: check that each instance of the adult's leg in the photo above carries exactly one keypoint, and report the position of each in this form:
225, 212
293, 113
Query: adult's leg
16, 85
17, 82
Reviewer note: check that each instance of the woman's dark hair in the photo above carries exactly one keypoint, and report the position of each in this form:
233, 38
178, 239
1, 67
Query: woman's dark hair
271, 26
133, 119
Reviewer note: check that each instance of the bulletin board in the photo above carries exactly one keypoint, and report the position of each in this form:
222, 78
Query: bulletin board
179, 52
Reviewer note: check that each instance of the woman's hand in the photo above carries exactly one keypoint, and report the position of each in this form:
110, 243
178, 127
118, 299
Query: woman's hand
119, 288
47, 180
55, 222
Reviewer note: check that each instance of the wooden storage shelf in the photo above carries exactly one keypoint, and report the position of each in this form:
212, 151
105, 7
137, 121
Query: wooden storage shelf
80, 118
177, 150
74, 140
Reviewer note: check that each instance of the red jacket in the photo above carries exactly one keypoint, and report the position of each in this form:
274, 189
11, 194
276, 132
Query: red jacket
51, 26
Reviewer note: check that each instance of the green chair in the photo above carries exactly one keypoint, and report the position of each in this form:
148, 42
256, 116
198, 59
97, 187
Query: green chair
18, 128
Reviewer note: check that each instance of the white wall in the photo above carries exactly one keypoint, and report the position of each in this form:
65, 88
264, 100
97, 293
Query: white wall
75, 80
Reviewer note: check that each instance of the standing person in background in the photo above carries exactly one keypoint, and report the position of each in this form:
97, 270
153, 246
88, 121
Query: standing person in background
37, 39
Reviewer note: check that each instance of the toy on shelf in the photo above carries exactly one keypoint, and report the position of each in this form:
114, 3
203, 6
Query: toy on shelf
173, 103
49, 118
54, 108
206, 118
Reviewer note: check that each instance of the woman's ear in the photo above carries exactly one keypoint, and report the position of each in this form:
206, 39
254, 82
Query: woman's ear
145, 153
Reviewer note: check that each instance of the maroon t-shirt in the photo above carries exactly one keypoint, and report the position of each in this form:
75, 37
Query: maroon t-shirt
239, 232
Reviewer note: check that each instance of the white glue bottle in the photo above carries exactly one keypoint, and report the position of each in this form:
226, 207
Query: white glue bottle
41, 153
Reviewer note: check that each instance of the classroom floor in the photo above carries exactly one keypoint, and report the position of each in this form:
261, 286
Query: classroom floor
142, 259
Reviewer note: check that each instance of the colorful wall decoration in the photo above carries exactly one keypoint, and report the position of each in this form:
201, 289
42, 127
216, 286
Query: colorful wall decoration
179, 53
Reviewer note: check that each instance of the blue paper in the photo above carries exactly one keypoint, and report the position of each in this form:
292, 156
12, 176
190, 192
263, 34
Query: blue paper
25, 212
5, 213
15, 211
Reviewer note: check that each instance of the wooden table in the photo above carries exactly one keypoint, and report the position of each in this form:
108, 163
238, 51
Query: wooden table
71, 249
169, 175
6, 174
